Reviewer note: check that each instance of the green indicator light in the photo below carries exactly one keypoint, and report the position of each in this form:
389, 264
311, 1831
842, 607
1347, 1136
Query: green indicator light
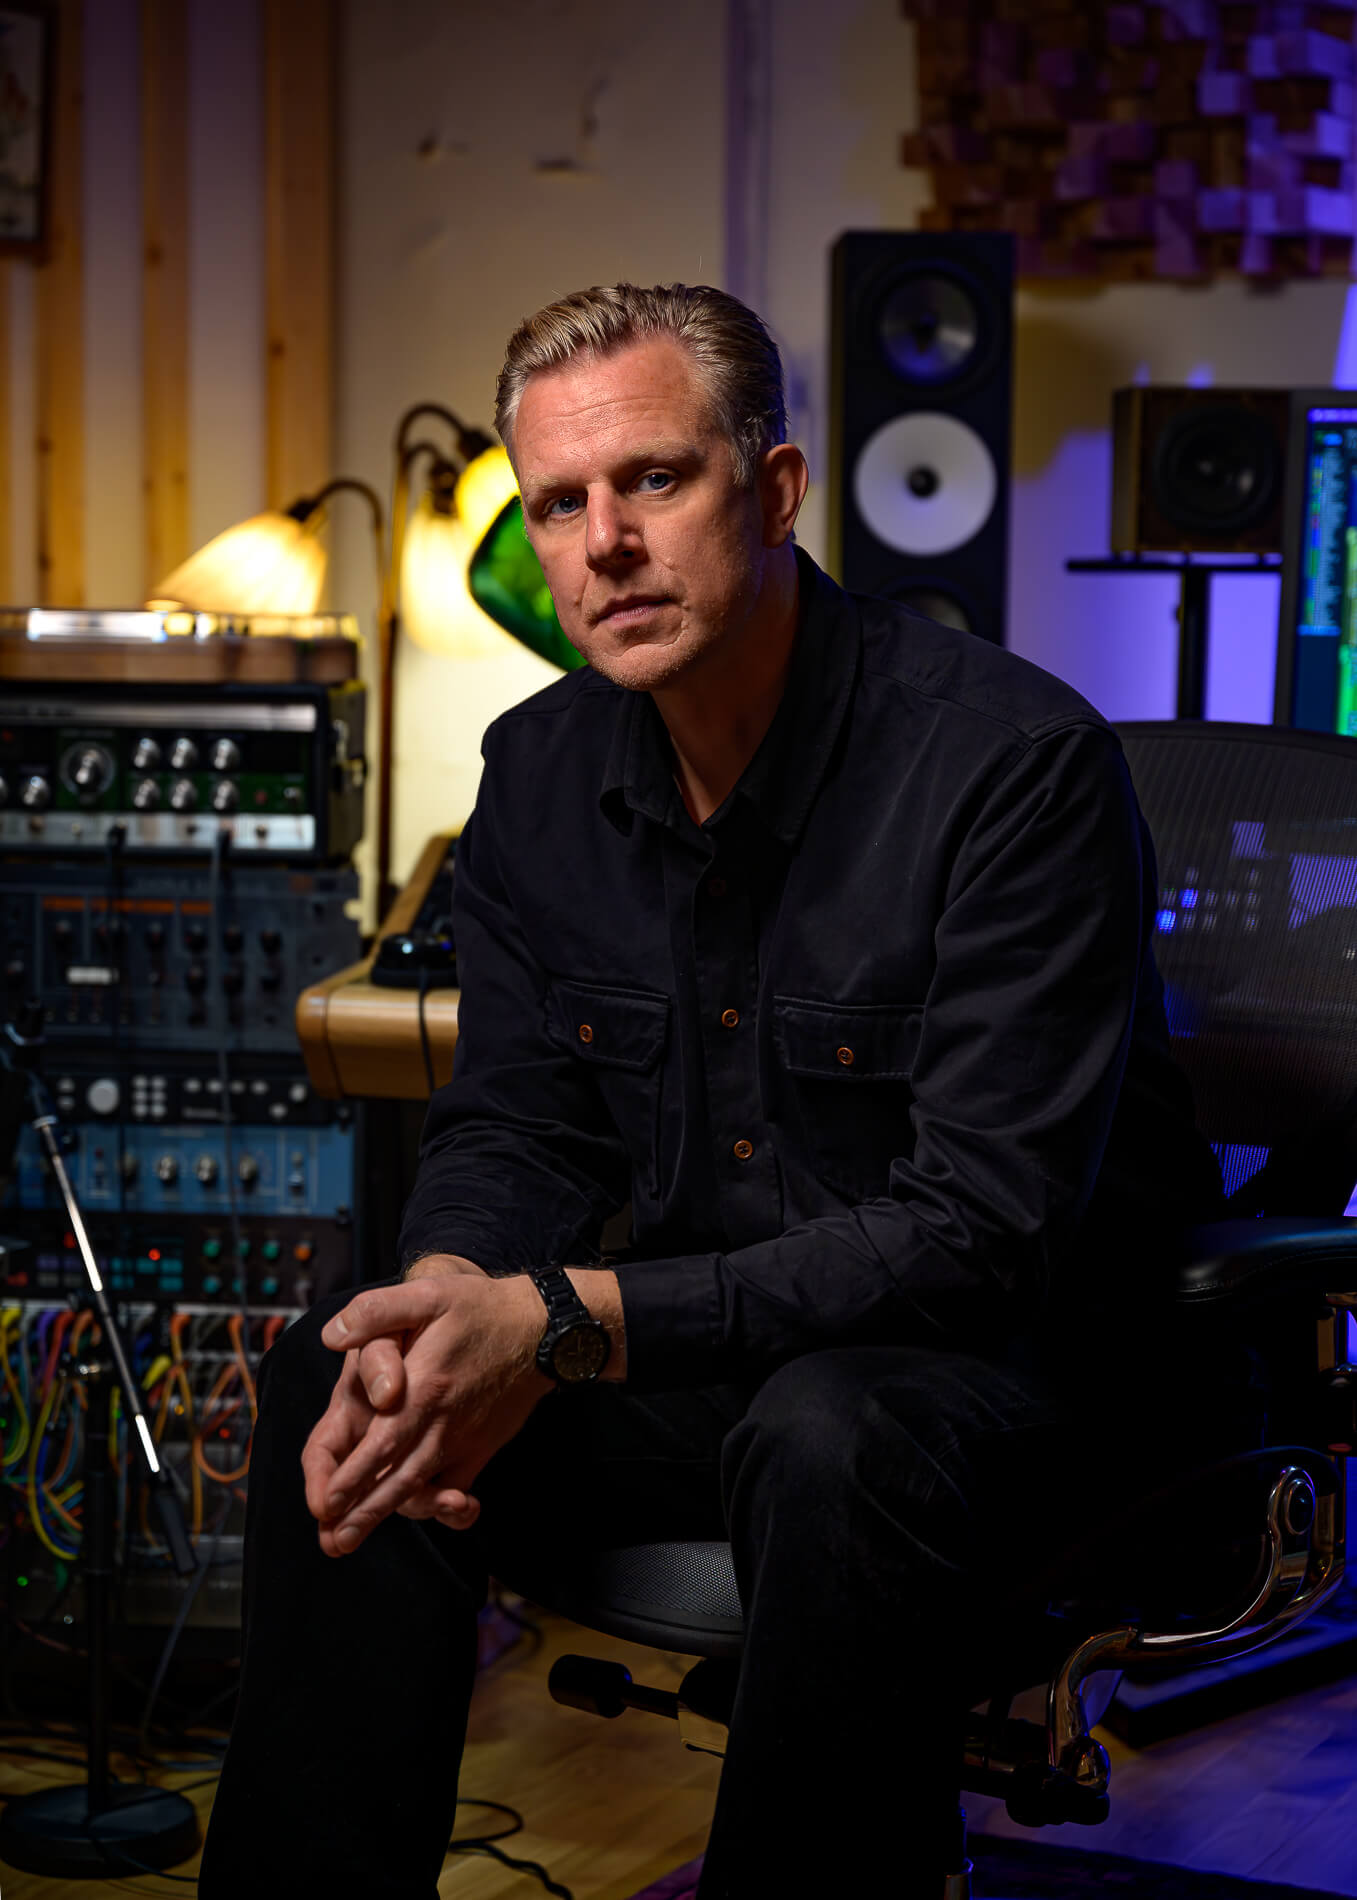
22, 1582
271, 1249
211, 1249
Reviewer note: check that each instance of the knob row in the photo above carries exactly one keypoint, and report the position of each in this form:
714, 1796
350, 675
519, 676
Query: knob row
184, 795
207, 1169
223, 755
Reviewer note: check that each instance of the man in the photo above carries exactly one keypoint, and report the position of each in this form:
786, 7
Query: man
821, 933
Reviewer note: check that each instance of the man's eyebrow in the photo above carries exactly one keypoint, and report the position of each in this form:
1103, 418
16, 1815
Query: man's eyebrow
652, 455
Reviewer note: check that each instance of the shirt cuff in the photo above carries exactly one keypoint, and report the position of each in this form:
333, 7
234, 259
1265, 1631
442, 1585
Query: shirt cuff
486, 1250
671, 1310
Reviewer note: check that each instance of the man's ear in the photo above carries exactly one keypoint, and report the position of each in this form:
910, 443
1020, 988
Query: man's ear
782, 481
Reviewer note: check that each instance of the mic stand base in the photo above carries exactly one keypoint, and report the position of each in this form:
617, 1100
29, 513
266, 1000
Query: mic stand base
54, 1833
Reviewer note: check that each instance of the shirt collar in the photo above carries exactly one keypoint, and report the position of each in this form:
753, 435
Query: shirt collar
784, 776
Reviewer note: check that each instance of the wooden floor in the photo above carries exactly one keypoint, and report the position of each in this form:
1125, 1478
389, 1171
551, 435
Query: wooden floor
610, 1806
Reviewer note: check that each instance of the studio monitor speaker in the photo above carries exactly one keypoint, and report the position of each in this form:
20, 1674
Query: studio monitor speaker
921, 344
1198, 470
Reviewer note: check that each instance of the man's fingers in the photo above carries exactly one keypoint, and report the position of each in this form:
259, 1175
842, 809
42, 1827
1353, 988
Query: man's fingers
334, 1436
404, 1480
455, 1508
384, 1310
381, 1371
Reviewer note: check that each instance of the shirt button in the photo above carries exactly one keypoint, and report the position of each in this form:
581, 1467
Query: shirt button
586, 1033
845, 1055
717, 887
730, 1018
743, 1150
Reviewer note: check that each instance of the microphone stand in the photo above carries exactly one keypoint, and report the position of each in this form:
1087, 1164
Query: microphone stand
99, 1827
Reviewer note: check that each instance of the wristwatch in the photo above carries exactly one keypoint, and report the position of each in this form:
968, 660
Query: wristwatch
575, 1347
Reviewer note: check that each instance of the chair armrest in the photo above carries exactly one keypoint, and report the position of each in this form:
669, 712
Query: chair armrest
1252, 1263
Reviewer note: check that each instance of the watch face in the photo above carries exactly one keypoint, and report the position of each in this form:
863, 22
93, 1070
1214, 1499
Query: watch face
580, 1354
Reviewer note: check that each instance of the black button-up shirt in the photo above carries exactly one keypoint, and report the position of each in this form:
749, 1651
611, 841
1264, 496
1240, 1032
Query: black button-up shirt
877, 1053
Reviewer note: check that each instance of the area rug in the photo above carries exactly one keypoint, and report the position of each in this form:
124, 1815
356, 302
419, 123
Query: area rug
1026, 1870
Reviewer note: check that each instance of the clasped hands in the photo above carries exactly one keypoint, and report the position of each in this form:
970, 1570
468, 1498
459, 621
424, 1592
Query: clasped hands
439, 1372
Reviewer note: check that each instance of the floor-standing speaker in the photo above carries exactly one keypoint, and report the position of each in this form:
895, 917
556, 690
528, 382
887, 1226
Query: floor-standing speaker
921, 348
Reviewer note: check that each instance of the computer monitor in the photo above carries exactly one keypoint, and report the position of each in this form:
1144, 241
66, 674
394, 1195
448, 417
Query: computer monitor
1317, 631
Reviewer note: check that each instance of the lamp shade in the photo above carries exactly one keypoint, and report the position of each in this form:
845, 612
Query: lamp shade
270, 564
436, 607
505, 576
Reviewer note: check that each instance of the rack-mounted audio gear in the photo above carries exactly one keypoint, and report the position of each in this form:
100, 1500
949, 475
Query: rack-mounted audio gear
164, 740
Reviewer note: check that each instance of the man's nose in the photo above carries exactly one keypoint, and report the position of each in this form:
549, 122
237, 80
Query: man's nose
612, 534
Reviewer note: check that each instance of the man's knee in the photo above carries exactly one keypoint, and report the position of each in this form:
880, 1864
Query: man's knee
856, 1428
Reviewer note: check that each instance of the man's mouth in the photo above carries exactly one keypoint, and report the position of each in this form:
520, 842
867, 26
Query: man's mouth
629, 607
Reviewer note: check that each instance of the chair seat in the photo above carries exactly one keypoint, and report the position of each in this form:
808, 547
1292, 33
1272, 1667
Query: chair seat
677, 1596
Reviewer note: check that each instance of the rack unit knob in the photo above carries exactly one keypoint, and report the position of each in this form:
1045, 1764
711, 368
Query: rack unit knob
37, 793
145, 795
183, 795
225, 756
183, 755
145, 755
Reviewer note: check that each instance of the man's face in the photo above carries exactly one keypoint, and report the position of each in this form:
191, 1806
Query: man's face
651, 551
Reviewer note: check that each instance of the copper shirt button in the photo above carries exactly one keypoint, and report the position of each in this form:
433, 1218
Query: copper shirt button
845, 1056
743, 1150
586, 1033
730, 1018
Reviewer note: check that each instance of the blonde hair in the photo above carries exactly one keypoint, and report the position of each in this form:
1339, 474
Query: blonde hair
737, 359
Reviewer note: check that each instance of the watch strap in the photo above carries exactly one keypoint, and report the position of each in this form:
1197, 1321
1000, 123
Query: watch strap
562, 1302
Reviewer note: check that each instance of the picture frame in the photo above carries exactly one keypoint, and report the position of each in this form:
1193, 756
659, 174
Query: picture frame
27, 75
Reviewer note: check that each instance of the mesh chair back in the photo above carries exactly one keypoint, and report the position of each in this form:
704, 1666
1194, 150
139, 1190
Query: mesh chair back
1255, 832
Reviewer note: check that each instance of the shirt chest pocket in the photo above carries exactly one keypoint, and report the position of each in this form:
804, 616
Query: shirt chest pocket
619, 1038
847, 1073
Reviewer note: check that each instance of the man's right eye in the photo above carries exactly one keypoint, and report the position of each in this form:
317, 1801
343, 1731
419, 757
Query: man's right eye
562, 508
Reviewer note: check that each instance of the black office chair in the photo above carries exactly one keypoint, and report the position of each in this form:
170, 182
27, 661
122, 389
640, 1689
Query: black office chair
1256, 836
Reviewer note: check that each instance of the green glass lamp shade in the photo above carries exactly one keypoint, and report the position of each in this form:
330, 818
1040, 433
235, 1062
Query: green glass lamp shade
506, 581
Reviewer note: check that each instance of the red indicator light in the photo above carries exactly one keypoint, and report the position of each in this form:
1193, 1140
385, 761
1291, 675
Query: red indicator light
153, 1253
68, 1242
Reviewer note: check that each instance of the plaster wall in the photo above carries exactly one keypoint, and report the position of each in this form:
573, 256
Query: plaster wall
491, 159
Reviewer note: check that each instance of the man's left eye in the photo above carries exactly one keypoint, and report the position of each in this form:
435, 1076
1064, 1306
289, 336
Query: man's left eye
656, 479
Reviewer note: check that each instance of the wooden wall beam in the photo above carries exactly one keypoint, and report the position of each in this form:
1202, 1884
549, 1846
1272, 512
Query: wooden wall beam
299, 68
60, 337
6, 443
165, 292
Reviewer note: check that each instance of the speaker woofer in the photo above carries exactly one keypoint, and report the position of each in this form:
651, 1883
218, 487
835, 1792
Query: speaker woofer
1214, 470
930, 329
925, 483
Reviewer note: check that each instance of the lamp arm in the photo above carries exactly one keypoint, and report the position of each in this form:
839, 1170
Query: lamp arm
470, 442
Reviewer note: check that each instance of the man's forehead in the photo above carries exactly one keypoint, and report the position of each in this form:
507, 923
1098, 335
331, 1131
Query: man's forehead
648, 388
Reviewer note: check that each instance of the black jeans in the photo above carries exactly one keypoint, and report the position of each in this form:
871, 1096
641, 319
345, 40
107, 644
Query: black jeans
885, 1505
